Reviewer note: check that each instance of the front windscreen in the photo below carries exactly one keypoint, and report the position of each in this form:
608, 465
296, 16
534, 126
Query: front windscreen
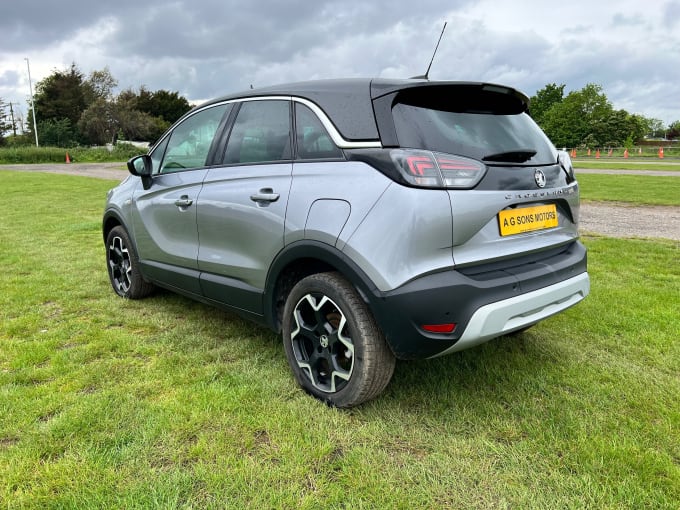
493, 138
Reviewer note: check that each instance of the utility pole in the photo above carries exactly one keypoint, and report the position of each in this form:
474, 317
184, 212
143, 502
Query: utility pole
30, 87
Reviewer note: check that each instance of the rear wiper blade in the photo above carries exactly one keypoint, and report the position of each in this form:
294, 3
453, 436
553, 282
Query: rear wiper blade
516, 156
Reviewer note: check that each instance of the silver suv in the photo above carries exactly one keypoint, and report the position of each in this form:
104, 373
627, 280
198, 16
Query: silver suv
365, 220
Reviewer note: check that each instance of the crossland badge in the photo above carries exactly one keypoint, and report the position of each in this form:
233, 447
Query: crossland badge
539, 177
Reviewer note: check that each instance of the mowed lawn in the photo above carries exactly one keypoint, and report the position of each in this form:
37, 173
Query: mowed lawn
166, 403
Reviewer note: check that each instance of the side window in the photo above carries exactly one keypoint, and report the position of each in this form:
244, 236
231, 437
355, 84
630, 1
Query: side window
261, 132
313, 141
157, 155
190, 141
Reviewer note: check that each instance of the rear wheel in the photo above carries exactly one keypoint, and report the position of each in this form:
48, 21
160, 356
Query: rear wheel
123, 266
333, 345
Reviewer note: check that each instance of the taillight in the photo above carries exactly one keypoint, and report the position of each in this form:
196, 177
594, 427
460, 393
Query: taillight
422, 170
437, 170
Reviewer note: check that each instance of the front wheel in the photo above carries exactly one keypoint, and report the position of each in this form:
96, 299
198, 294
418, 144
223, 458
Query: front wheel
123, 266
333, 345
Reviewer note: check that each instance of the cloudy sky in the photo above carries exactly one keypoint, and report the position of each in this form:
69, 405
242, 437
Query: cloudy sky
206, 48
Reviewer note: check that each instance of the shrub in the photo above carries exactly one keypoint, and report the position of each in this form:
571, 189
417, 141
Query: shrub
32, 155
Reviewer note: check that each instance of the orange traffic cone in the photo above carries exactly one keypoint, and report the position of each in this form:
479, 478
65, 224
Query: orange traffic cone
660, 152
625, 154
68, 160
597, 154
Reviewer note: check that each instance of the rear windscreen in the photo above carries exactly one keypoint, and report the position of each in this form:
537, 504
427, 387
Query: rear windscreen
496, 138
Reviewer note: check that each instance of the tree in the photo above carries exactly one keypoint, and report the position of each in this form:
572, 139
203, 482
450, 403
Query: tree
161, 106
673, 132
100, 85
62, 95
137, 124
95, 115
104, 121
639, 126
170, 106
655, 128
544, 99
57, 133
581, 118
5, 120
98, 124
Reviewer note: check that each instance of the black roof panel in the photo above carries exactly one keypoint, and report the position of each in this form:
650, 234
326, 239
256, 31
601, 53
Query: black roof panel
349, 102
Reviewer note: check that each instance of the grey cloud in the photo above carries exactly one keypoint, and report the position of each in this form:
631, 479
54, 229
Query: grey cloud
31, 24
206, 48
671, 14
8, 78
622, 20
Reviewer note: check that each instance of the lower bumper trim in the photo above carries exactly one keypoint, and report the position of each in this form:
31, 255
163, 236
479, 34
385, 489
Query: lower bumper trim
503, 317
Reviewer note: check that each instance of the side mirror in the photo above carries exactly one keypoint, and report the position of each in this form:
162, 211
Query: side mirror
141, 166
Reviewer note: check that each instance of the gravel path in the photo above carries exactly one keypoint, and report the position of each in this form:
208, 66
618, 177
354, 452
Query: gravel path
114, 171
609, 219
622, 220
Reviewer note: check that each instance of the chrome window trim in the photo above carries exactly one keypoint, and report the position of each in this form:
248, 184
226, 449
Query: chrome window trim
330, 127
333, 132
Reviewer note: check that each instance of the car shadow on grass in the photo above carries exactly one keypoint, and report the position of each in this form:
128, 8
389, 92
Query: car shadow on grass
496, 375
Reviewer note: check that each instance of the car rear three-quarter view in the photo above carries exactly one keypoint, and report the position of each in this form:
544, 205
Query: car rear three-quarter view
365, 220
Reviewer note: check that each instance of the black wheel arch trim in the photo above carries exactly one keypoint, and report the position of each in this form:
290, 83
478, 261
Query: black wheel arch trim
323, 253
113, 214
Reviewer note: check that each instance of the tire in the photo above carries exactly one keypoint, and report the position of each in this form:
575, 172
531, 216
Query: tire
334, 347
123, 266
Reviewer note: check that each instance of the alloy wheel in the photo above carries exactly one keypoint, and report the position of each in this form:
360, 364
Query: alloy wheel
322, 346
120, 265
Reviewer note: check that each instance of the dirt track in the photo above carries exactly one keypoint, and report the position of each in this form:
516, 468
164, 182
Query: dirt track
609, 219
113, 171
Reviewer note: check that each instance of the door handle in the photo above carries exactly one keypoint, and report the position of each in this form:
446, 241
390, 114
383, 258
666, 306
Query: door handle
184, 201
265, 195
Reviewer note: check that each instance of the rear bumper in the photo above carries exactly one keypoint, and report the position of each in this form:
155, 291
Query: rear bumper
511, 314
484, 301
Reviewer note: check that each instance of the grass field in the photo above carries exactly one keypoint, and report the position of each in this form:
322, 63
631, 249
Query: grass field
106, 403
633, 189
623, 164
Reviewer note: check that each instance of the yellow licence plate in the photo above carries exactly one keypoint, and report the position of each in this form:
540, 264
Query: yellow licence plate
526, 219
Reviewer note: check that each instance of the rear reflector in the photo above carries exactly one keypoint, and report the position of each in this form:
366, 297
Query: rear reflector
438, 328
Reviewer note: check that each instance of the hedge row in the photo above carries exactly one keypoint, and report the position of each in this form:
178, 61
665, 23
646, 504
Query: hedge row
18, 155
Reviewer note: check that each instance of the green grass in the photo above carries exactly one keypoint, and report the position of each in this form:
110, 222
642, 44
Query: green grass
107, 403
658, 165
633, 189
29, 155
